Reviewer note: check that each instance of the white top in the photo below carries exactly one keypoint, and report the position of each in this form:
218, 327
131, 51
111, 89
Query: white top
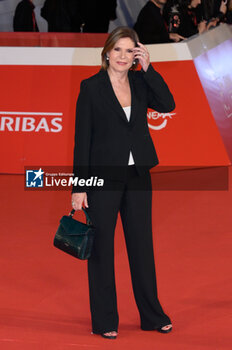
127, 111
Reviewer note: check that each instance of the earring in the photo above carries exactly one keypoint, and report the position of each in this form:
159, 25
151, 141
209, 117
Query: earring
107, 58
134, 62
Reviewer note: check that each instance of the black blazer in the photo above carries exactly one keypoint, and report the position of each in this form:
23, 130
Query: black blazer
103, 135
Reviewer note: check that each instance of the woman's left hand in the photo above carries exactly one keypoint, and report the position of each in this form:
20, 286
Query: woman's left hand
142, 54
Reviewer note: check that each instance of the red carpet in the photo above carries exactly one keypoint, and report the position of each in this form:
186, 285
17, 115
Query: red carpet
44, 294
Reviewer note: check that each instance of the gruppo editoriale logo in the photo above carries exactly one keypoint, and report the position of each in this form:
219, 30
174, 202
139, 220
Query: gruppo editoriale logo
34, 178
42, 179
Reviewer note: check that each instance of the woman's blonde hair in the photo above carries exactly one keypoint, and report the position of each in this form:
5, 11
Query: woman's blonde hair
118, 33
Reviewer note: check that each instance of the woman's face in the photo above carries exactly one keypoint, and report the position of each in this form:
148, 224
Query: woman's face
121, 57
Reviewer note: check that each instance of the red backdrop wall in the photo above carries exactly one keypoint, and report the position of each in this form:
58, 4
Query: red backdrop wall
31, 136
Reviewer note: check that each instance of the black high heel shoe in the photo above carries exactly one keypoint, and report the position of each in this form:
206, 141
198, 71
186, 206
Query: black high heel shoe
104, 335
108, 336
164, 330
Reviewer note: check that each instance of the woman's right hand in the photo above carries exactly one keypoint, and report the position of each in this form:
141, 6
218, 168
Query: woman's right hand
79, 200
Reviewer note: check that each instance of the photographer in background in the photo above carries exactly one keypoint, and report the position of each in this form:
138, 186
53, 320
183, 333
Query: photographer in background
151, 27
184, 17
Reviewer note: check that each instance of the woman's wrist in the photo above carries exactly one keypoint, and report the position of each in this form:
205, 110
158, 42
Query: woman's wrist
141, 53
145, 67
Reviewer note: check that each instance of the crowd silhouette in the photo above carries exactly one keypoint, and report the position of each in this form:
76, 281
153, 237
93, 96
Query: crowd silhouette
159, 21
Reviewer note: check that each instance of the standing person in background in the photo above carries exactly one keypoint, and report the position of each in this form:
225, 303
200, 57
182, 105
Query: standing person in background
218, 12
62, 15
24, 17
181, 17
150, 25
228, 15
97, 15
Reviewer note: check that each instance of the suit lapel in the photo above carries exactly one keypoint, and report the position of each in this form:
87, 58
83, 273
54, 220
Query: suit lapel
111, 99
109, 95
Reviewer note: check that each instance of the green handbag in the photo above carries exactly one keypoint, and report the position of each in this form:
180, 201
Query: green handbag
75, 237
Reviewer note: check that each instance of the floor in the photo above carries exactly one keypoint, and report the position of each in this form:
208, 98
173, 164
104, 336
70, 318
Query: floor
44, 292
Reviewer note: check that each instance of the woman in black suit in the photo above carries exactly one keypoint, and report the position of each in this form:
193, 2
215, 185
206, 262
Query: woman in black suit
112, 141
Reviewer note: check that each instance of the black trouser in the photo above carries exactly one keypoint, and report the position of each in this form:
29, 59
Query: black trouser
135, 209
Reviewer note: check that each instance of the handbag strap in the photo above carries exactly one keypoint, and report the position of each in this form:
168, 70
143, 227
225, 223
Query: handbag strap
86, 214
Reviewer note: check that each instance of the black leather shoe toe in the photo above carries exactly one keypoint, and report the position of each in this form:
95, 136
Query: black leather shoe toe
108, 336
161, 330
